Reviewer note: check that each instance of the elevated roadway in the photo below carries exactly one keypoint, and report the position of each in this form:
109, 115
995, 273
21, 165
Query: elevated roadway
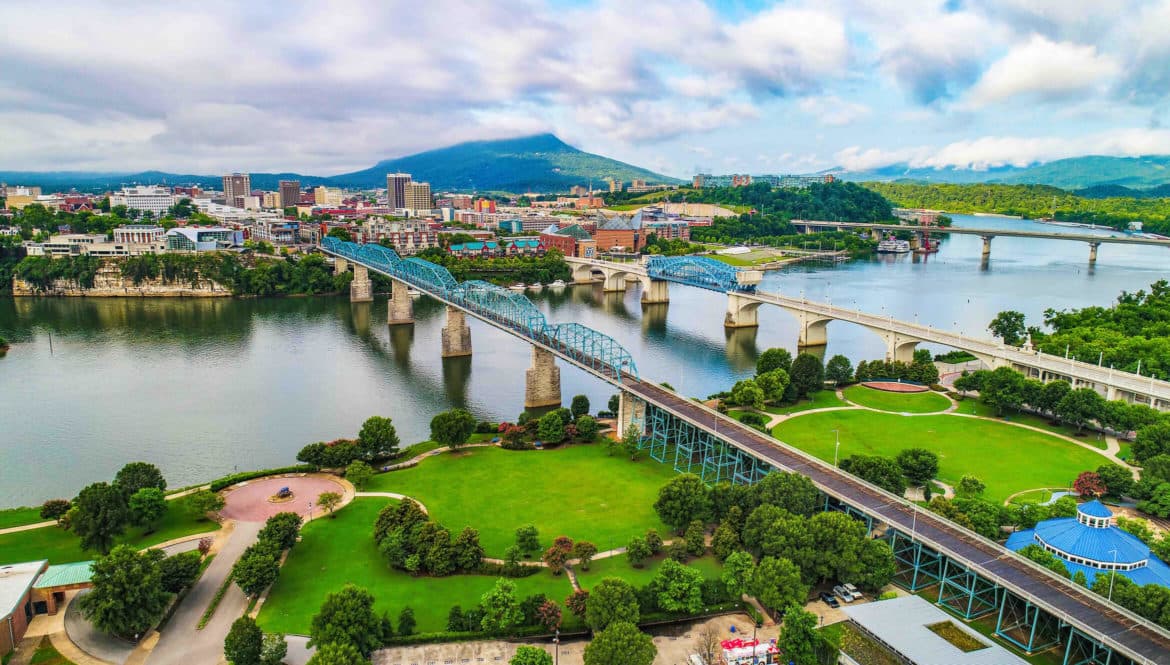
1006, 233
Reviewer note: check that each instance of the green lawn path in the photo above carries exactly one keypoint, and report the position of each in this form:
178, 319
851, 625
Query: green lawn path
619, 566
883, 400
10, 517
577, 491
822, 399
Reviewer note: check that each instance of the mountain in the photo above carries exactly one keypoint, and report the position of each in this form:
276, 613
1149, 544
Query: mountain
531, 163
1074, 173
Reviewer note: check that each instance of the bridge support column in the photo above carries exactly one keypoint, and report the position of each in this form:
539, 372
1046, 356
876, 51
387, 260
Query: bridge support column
899, 348
542, 380
361, 289
400, 309
875, 235
813, 331
631, 411
615, 282
741, 312
456, 334
655, 291
340, 265
1093, 252
986, 246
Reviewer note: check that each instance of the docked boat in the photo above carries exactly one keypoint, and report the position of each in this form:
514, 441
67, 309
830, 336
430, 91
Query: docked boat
518, 286
558, 284
893, 246
536, 286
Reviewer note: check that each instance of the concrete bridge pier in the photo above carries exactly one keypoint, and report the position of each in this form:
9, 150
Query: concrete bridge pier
875, 235
1093, 252
457, 334
614, 282
813, 330
655, 291
899, 347
340, 265
631, 411
361, 289
986, 246
542, 381
400, 309
582, 273
741, 312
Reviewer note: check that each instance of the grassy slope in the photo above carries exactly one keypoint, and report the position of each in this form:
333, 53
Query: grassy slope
619, 566
1008, 459
897, 402
821, 399
19, 517
60, 546
334, 552
577, 491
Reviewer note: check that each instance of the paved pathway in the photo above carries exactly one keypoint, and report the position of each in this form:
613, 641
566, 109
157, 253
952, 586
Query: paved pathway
41, 525
90, 640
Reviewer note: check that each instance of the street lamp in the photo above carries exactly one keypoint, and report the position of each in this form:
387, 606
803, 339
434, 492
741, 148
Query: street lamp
557, 642
1112, 573
837, 447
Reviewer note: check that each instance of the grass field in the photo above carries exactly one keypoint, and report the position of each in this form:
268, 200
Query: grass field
60, 546
1008, 459
10, 517
340, 551
822, 399
619, 566
978, 408
897, 402
47, 655
576, 491
1034, 496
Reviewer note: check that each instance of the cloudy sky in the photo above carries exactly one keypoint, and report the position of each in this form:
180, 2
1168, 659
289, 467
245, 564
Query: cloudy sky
725, 86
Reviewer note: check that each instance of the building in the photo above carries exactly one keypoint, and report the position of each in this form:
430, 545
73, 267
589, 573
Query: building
479, 248
571, 241
578, 190
329, 197
669, 229
620, 233
396, 190
16, 601
485, 205
138, 234
155, 200
16, 198
1092, 543
235, 187
525, 246
277, 233
290, 193
406, 237
202, 239
418, 197
614, 184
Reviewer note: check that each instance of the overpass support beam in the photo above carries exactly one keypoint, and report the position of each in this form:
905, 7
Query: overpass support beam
813, 330
615, 282
741, 312
456, 334
542, 381
400, 309
875, 235
1093, 252
655, 291
340, 265
631, 412
898, 347
361, 289
986, 246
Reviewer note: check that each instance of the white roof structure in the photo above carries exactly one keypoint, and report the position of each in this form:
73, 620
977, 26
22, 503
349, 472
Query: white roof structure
15, 581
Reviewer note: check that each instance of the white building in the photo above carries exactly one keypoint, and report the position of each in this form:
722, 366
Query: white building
156, 200
138, 234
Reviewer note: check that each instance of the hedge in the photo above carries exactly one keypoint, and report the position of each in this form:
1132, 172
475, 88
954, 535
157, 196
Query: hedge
218, 484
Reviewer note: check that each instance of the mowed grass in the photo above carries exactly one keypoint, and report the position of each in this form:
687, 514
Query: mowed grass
337, 551
1008, 459
883, 400
619, 566
576, 491
10, 517
822, 399
60, 546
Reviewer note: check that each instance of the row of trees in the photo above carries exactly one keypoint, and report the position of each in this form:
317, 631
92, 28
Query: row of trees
913, 466
259, 565
503, 270
920, 370
377, 439
780, 378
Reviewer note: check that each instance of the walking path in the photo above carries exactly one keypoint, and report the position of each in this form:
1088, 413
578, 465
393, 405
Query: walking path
41, 525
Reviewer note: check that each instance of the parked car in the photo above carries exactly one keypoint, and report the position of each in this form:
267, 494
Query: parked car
853, 590
829, 600
843, 593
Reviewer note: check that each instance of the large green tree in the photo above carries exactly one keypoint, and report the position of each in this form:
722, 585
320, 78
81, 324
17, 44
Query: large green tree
256, 569
799, 640
137, 475
1081, 406
881, 471
338, 653
452, 427
807, 374
551, 428
777, 583
501, 609
679, 587
774, 384
377, 437
180, 571
791, 491
682, 500
579, 406
737, 573
621, 643
919, 465
526, 655
839, 370
127, 598
774, 358
99, 515
347, 617
147, 506
1009, 327
244, 642
611, 600
747, 393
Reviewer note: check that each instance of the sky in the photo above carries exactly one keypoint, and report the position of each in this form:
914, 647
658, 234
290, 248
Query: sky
677, 86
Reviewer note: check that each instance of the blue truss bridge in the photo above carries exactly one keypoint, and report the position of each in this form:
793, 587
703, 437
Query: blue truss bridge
699, 271
971, 576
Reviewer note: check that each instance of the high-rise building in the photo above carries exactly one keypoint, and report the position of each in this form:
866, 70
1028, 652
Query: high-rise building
156, 200
235, 187
290, 193
418, 196
396, 185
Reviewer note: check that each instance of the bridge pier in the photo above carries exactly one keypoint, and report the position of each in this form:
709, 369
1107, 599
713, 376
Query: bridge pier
986, 246
361, 289
400, 308
456, 334
655, 291
1093, 252
899, 348
813, 330
741, 312
615, 282
542, 381
340, 265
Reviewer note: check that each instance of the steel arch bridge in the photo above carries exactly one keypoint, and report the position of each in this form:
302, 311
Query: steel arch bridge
699, 271
506, 309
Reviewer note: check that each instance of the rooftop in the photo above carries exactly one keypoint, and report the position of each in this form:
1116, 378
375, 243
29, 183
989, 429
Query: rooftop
15, 581
65, 574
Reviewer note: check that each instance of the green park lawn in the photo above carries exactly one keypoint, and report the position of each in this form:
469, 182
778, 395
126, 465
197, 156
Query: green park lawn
60, 546
928, 402
10, 517
619, 566
821, 399
337, 551
1008, 459
578, 491
975, 407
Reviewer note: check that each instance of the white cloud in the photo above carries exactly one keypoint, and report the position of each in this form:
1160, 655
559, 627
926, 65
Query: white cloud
1043, 69
832, 111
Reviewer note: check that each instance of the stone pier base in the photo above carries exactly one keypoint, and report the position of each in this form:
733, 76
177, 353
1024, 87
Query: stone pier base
542, 381
655, 292
361, 289
400, 309
457, 336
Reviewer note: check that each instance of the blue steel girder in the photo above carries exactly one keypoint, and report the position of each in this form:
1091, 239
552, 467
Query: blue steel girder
501, 305
1080, 649
427, 276
380, 257
697, 271
916, 566
964, 591
592, 348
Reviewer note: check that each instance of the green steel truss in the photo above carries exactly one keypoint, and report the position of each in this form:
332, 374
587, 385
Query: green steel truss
1025, 625
965, 592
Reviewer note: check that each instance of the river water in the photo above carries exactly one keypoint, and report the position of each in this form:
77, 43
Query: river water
203, 386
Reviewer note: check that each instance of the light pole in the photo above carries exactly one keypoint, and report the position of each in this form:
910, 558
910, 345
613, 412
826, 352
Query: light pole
557, 645
1112, 574
837, 447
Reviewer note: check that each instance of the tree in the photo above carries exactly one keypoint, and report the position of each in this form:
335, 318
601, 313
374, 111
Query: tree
1088, 484
1080, 406
329, 501
501, 609
919, 465
1008, 326
621, 643
808, 375
632, 443
774, 384
654, 541
799, 640
527, 539
578, 603
526, 655
137, 475
550, 428
696, 539
406, 622
583, 552
680, 588
774, 358
101, 516
347, 617
340, 233
790, 491
244, 643
281, 530
1044, 558
684, 499
556, 556
1051, 394
777, 583
1118, 480
839, 370
587, 428
147, 506
205, 502
359, 473
1152, 440
274, 650
452, 427
746, 393
615, 402
738, 572
970, 486
549, 615
1158, 503
612, 599
334, 653
725, 541
881, 471
55, 509
127, 598
256, 570
179, 571
637, 551
377, 438
707, 643
579, 406
1002, 388
468, 552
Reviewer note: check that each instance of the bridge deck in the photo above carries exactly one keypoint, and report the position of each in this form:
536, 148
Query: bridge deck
1071, 603
1009, 233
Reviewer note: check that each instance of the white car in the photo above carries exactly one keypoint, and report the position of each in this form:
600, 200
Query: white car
843, 593
853, 590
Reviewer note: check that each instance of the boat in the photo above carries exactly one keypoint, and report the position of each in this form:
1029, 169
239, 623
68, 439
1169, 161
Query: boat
536, 286
893, 246
558, 284
518, 286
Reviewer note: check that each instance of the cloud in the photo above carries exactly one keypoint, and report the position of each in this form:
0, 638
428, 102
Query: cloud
833, 111
1043, 69
645, 121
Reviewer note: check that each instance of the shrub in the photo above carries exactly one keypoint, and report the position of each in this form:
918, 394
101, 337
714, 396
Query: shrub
220, 483
55, 509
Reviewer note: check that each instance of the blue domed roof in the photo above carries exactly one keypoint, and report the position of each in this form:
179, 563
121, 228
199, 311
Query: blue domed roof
1094, 508
1073, 538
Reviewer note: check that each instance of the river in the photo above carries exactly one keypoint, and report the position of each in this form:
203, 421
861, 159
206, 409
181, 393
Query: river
201, 387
